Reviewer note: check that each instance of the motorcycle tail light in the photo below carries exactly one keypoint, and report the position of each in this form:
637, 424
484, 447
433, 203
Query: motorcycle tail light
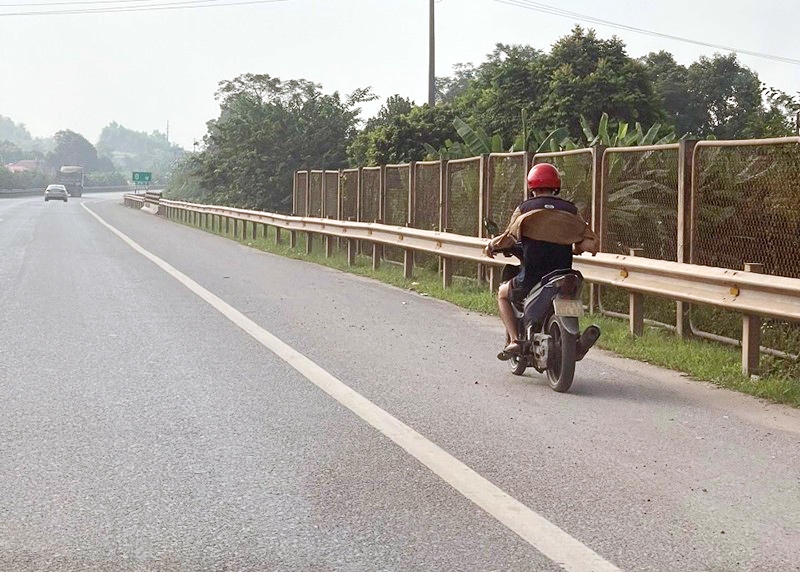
569, 286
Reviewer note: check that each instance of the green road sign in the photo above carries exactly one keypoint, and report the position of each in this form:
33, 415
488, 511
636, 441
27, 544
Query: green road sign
142, 177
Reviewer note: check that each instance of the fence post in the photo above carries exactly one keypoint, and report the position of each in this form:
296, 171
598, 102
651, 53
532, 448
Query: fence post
377, 249
445, 265
482, 208
636, 305
751, 333
408, 253
686, 147
597, 208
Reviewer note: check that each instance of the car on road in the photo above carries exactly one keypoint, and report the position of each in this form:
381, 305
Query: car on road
55, 192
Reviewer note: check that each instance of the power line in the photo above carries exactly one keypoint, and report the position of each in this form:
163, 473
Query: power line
141, 7
544, 8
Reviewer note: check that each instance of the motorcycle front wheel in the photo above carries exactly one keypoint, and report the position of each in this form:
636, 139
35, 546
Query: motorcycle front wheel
561, 356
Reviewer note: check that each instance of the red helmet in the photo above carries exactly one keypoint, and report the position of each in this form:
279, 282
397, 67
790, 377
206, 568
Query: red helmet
544, 176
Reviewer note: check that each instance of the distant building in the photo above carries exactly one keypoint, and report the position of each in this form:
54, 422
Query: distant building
26, 165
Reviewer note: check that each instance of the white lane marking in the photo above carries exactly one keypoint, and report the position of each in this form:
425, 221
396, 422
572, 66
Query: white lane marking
546, 537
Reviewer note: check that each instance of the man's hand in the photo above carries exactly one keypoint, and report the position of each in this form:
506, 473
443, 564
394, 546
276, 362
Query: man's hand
489, 250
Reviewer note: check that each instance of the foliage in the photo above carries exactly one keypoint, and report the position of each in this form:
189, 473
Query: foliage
15, 133
582, 75
10, 153
183, 184
402, 132
138, 151
266, 130
25, 180
18, 135
73, 149
104, 179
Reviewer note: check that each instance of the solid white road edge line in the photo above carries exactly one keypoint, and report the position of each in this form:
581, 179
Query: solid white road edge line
546, 537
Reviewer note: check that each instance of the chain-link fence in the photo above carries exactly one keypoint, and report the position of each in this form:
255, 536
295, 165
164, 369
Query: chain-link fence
315, 194
747, 210
576, 168
331, 185
462, 211
398, 181
744, 203
506, 184
300, 186
426, 204
639, 201
370, 194
370, 200
348, 184
427, 191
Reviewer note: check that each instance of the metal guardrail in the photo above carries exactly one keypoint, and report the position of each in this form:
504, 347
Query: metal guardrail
752, 294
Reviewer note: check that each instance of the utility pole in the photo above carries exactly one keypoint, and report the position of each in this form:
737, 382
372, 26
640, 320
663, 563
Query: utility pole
431, 59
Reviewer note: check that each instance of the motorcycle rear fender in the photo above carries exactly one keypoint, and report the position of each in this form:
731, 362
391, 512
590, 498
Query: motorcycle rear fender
570, 324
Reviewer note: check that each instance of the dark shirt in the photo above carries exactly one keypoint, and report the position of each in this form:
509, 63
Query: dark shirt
539, 257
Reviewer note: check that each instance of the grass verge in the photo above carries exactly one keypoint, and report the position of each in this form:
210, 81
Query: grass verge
701, 359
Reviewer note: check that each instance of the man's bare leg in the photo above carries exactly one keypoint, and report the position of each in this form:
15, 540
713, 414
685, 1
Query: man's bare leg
506, 311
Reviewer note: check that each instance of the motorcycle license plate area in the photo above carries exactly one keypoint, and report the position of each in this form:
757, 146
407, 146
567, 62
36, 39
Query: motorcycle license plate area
567, 307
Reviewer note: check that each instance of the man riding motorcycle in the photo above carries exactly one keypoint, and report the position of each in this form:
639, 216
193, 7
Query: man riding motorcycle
549, 230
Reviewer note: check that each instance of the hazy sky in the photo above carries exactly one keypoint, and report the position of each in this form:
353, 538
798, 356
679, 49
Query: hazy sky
142, 69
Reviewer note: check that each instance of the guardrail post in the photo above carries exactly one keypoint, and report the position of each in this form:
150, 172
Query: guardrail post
447, 268
277, 234
352, 247
636, 305
328, 239
751, 333
309, 242
408, 261
495, 274
227, 226
683, 327
292, 239
377, 251
255, 230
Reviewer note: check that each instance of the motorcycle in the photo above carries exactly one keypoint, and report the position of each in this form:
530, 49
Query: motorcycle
547, 322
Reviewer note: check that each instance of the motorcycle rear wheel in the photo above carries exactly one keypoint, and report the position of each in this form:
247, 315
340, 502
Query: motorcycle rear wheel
518, 364
561, 356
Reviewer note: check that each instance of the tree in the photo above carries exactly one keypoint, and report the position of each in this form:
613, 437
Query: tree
587, 77
402, 132
73, 149
729, 98
266, 130
138, 151
15, 133
511, 81
9, 153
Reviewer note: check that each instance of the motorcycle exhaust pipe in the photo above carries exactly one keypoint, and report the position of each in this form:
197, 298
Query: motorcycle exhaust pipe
586, 341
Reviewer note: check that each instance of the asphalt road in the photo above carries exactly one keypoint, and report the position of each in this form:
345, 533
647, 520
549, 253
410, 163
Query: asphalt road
142, 428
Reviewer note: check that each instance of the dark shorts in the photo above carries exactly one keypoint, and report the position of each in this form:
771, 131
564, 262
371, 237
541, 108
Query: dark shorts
516, 290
